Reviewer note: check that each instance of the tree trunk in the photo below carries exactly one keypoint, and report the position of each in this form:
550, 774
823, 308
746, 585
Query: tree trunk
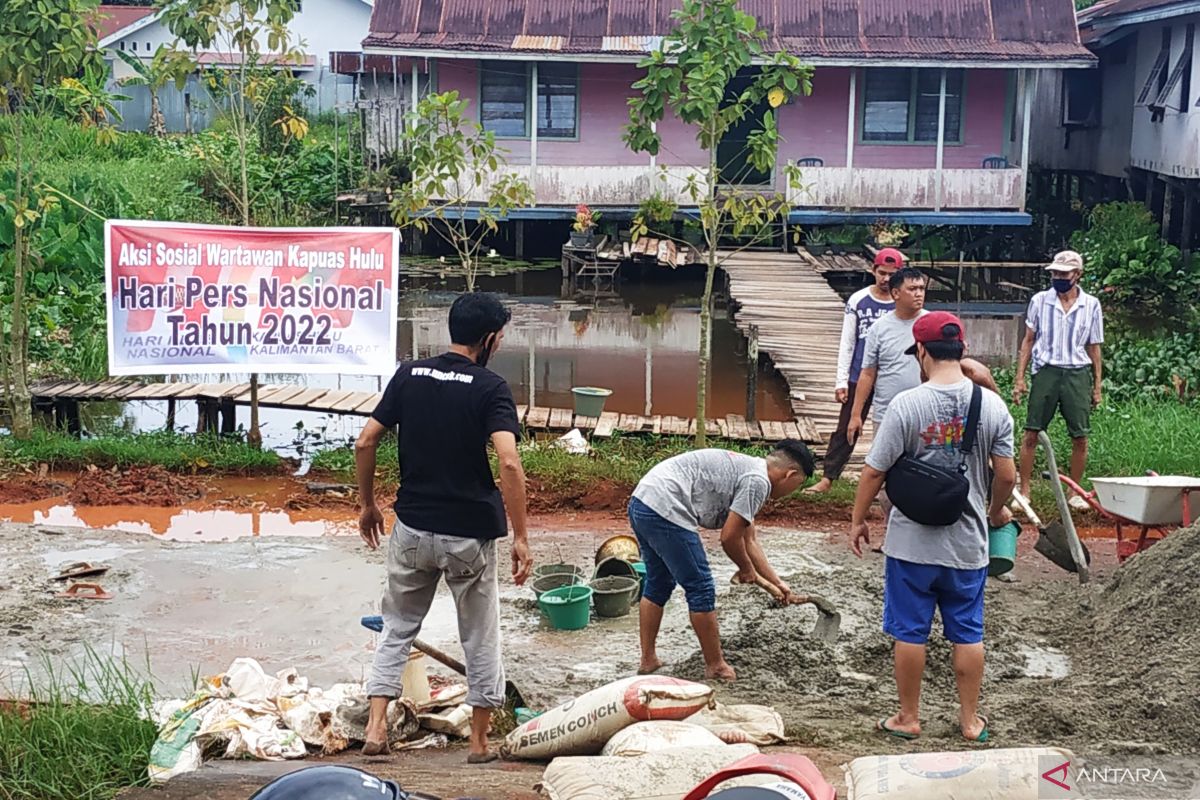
22, 407
705, 350
254, 435
158, 124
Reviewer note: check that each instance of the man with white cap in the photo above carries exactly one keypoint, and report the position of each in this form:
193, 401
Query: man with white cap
1064, 328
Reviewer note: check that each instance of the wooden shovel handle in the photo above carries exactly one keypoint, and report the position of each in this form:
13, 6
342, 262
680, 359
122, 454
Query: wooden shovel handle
437, 655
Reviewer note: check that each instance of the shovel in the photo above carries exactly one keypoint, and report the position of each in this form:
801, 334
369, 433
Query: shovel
1053, 540
511, 693
829, 621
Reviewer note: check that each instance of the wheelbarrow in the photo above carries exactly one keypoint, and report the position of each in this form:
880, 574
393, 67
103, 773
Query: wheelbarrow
1152, 502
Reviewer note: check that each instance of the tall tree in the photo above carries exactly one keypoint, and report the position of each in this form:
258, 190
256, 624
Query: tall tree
42, 43
712, 71
456, 165
255, 33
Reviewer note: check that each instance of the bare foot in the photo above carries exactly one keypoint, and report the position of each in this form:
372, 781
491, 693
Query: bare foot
820, 487
375, 748
896, 725
721, 672
976, 730
650, 666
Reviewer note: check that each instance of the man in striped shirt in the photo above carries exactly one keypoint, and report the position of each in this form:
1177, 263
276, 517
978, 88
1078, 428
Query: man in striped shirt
1064, 331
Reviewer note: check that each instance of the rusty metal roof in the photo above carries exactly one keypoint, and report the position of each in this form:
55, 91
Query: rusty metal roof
110, 19
914, 30
1099, 22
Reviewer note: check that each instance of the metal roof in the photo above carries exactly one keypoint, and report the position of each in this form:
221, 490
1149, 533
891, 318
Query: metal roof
1101, 24
912, 30
110, 19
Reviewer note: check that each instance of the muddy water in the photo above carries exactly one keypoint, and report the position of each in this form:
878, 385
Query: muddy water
260, 511
638, 339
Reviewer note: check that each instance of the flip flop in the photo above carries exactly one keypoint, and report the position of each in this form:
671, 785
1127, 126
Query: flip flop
482, 758
80, 569
376, 749
882, 727
983, 734
650, 671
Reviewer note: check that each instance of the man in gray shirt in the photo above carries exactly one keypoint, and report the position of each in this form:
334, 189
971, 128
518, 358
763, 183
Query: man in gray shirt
938, 567
887, 369
717, 490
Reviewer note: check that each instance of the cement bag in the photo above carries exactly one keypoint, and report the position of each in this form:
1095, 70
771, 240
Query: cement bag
582, 726
452, 722
665, 775
742, 724
652, 737
1010, 774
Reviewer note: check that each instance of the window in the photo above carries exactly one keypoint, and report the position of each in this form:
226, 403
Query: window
133, 45
1081, 97
558, 99
1166, 50
1185, 81
504, 99
901, 105
121, 45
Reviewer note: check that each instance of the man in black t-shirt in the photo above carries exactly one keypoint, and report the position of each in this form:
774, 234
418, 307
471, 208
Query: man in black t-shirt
448, 511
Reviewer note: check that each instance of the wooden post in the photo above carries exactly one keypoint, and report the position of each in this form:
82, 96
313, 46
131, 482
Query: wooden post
751, 372
228, 416
649, 378
520, 235
1185, 233
171, 413
941, 144
1027, 96
201, 416
533, 131
851, 109
1167, 209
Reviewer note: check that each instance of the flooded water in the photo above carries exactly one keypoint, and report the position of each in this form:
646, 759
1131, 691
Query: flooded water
638, 339
259, 511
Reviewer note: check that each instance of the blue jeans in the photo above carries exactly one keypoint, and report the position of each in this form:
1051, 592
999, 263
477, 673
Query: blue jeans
911, 591
673, 555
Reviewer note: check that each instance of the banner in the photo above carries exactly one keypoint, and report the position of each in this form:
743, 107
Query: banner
210, 298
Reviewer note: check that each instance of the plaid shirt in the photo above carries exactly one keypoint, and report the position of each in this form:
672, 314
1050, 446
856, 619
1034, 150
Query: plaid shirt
1061, 337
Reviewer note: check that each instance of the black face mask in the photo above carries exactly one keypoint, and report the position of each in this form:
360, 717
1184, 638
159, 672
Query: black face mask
488, 342
1062, 285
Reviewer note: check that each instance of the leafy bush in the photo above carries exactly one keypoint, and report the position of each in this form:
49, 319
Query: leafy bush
1132, 267
1164, 364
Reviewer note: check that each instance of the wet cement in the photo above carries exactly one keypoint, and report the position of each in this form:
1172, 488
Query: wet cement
194, 607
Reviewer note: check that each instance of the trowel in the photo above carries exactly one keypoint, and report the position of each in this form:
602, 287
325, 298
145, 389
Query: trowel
829, 621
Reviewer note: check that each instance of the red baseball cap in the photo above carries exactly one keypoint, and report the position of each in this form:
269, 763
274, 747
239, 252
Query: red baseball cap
889, 257
936, 327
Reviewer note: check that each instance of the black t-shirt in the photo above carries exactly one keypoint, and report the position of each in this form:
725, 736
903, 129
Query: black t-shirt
447, 407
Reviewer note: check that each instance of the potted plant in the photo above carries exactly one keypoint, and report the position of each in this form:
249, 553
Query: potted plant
843, 237
889, 234
583, 231
815, 240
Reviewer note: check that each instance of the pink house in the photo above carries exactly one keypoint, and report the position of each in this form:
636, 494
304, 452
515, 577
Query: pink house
552, 77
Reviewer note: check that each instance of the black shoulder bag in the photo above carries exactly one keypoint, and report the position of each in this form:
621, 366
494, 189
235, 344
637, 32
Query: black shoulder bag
931, 495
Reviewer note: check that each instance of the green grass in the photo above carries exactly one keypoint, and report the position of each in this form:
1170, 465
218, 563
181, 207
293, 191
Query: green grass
83, 735
174, 451
1127, 439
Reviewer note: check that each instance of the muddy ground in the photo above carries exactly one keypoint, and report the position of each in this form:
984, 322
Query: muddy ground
1104, 669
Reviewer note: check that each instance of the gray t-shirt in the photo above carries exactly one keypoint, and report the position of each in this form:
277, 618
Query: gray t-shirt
700, 488
927, 423
896, 371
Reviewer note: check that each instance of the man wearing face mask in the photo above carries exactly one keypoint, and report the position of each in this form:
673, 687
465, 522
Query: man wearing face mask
448, 512
1064, 331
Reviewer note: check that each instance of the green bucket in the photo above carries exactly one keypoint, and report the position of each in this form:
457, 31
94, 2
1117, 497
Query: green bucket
554, 580
589, 400
1002, 548
568, 608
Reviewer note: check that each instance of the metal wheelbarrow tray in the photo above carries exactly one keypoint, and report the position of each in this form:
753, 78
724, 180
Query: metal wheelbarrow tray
1148, 500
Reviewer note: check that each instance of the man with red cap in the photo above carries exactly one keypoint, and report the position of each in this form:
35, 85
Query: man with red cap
862, 310
938, 449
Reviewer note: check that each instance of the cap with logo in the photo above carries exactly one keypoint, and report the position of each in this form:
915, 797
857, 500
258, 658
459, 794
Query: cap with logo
936, 326
889, 257
1066, 261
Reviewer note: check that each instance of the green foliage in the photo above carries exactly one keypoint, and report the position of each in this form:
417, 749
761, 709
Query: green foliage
455, 164
84, 734
1132, 267
42, 42
1165, 364
712, 72
174, 451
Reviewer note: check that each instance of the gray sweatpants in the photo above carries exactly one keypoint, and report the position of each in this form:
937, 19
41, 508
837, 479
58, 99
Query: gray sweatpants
416, 561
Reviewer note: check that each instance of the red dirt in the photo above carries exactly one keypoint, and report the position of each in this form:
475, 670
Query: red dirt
15, 492
602, 495
146, 486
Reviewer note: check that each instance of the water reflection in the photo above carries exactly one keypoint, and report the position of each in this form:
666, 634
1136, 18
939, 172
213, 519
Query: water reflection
639, 339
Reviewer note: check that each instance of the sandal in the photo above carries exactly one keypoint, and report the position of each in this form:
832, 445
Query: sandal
882, 726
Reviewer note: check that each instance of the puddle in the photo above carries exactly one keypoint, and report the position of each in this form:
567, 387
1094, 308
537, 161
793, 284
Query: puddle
1045, 662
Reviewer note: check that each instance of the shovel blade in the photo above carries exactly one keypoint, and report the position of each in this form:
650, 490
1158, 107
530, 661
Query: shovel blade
827, 627
1054, 545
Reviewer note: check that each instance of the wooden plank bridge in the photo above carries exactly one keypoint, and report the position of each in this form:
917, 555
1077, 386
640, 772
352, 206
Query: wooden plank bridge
217, 408
784, 303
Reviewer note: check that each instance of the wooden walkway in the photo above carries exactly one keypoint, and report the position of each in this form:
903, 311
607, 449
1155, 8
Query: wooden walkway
63, 397
797, 317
